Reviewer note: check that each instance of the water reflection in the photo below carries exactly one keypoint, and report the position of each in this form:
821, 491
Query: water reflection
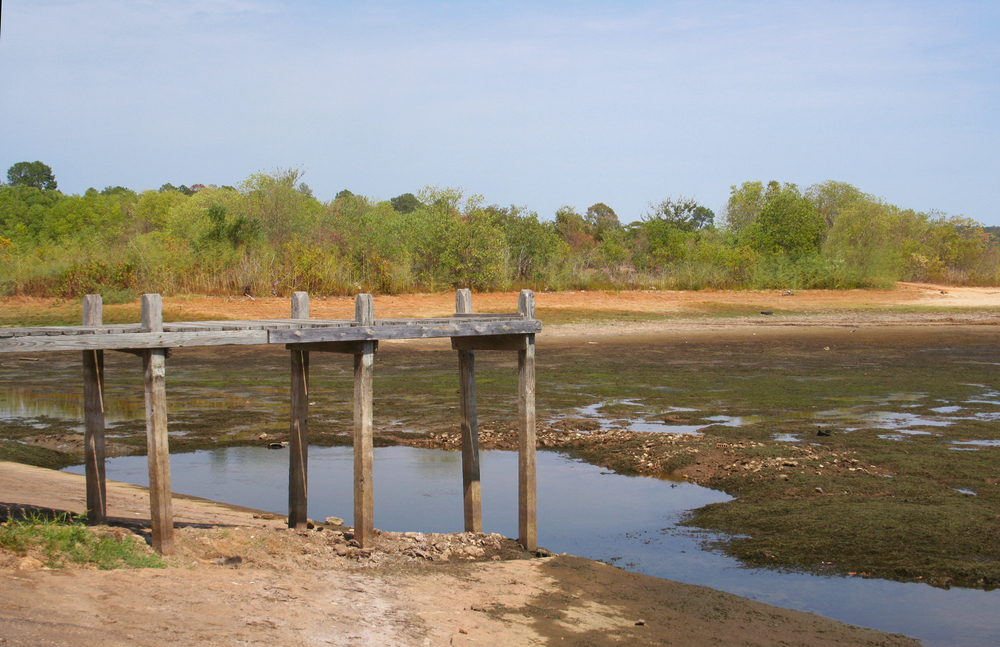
628, 521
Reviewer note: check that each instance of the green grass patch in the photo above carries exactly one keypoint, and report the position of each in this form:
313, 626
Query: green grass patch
65, 541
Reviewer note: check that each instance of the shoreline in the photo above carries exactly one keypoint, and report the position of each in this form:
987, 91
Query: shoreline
286, 599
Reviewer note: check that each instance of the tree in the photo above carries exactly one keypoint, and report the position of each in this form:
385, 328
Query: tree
602, 219
832, 198
406, 203
682, 213
788, 222
33, 174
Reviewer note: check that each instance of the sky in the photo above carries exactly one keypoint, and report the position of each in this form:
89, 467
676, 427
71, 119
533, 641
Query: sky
534, 104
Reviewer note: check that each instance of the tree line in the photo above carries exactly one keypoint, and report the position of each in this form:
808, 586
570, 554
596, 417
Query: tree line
270, 235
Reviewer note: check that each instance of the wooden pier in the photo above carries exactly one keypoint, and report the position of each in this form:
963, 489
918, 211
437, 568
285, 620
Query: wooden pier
301, 335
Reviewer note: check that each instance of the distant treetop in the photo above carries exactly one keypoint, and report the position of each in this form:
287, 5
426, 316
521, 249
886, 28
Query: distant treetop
34, 174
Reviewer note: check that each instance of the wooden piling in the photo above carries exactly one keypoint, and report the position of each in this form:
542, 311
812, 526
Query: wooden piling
527, 525
154, 378
471, 485
298, 469
93, 416
364, 366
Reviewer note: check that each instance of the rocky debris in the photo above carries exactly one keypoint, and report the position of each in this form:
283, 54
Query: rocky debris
280, 547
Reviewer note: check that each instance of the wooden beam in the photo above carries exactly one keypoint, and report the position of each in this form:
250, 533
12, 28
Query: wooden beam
415, 329
138, 340
93, 416
347, 347
364, 367
154, 379
298, 468
527, 501
491, 342
471, 484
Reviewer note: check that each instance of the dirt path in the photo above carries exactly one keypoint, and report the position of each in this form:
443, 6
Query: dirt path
292, 598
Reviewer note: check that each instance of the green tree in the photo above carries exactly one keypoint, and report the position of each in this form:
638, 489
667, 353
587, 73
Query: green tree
406, 203
787, 223
602, 219
831, 198
33, 174
683, 213
744, 205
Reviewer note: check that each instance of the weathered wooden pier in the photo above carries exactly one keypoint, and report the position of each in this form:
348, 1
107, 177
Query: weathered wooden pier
301, 335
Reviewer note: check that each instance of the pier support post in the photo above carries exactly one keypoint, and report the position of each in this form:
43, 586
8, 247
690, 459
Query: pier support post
298, 468
471, 485
527, 526
154, 378
364, 368
93, 416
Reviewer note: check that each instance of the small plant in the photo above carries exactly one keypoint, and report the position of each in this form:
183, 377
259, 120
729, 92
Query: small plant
66, 540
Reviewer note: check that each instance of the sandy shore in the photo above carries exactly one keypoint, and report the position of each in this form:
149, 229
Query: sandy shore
284, 601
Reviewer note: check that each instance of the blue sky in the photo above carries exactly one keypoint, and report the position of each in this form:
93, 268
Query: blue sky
538, 104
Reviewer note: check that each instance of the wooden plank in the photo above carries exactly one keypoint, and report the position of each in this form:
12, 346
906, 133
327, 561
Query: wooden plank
298, 467
455, 328
492, 342
487, 315
347, 347
93, 417
471, 484
154, 379
364, 369
133, 340
527, 501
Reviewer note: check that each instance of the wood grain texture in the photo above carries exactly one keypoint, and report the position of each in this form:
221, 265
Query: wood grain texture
154, 370
364, 506
158, 451
93, 417
527, 516
298, 441
471, 483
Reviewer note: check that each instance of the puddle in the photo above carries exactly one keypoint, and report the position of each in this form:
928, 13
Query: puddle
951, 409
786, 438
627, 521
981, 443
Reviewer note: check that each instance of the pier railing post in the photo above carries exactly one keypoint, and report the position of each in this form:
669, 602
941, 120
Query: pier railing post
527, 525
364, 368
471, 485
93, 416
154, 378
298, 469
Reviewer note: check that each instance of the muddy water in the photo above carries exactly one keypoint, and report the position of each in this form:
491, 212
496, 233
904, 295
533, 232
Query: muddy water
626, 521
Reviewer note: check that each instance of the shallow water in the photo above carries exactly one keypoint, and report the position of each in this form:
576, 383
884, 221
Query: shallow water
627, 521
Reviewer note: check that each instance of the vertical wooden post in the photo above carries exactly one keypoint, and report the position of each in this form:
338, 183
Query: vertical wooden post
154, 377
364, 367
298, 469
471, 485
527, 507
93, 416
